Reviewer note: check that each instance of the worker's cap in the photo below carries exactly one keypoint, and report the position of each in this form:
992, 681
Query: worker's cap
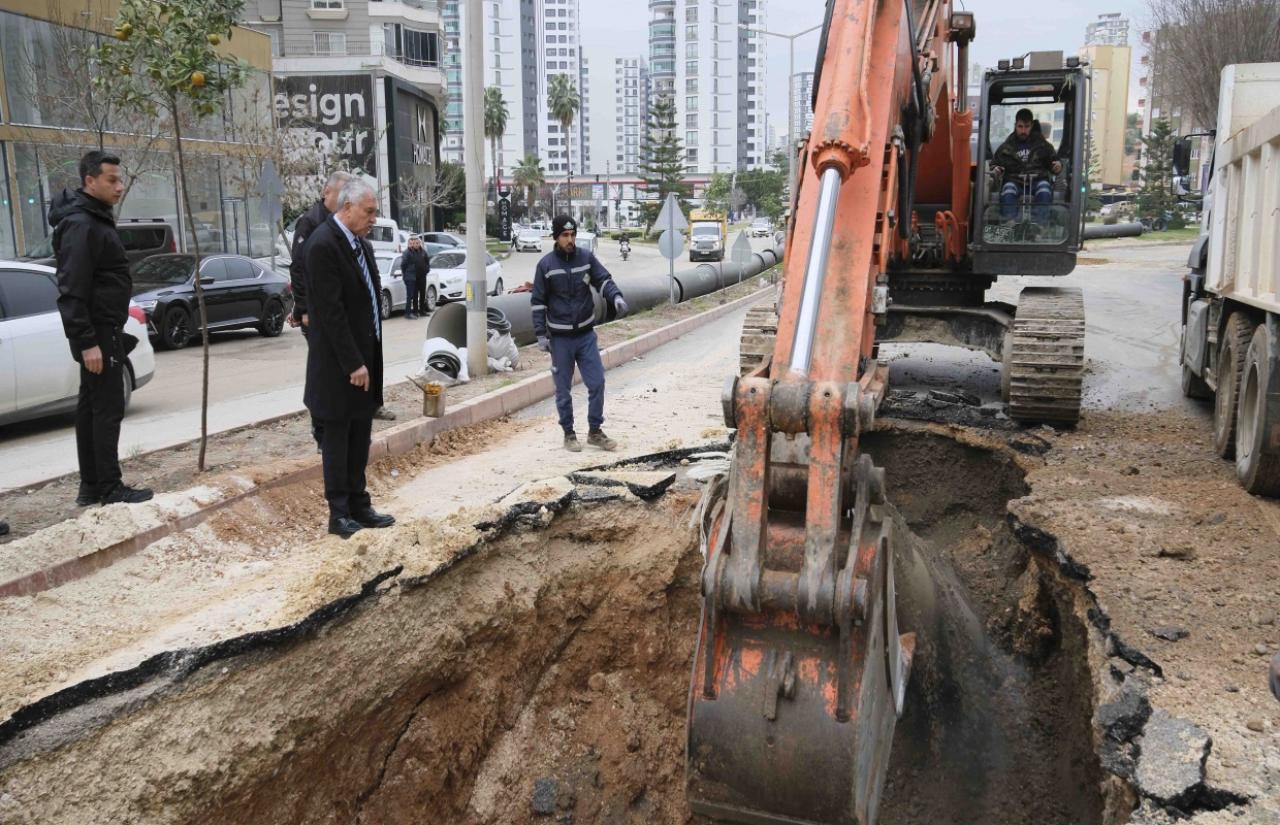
563, 224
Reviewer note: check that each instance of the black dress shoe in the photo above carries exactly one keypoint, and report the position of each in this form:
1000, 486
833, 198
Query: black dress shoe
345, 527
372, 518
87, 495
124, 494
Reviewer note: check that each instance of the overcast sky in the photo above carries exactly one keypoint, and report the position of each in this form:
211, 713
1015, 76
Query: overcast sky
1005, 28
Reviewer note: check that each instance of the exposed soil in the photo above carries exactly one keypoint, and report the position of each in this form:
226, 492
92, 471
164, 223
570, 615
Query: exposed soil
34, 508
544, 670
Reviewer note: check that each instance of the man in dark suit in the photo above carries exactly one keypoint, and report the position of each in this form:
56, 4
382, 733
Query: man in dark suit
344, 353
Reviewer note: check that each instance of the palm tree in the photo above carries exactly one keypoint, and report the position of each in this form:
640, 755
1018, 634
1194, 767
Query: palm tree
495, 125
529, 176
564, 103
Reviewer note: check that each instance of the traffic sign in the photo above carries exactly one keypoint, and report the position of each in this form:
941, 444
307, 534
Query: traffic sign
671, 217
671, 244
741, 253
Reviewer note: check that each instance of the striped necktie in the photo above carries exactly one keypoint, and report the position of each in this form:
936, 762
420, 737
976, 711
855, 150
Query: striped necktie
368, 283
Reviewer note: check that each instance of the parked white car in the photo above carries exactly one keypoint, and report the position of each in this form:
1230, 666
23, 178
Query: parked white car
450, 269
443, 238
529, 240
38, 376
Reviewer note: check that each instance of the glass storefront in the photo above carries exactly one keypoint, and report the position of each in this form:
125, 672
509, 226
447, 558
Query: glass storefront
8, 247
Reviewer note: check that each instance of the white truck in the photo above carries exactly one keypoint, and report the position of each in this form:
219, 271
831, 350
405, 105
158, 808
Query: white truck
1231, 306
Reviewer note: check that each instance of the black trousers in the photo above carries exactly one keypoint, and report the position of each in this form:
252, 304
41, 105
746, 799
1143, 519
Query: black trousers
411, 304
99, 411
344, 452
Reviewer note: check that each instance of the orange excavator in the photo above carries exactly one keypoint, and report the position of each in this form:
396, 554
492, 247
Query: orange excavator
899, 225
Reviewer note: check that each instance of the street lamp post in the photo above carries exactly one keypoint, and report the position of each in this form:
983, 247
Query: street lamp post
791, 77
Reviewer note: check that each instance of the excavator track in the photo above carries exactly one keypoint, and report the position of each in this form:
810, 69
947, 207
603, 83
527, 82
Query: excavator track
759, 333
1044, 356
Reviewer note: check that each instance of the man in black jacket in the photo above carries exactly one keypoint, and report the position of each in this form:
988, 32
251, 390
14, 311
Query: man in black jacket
94, 288
306, 224
344, 354
415, 268
564, 315
1025, 159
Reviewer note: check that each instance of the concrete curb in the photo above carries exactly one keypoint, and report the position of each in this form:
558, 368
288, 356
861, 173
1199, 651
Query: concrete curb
396, 440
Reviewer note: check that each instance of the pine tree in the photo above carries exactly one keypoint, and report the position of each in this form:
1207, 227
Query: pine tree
1093, 175
662, 159
1156, 196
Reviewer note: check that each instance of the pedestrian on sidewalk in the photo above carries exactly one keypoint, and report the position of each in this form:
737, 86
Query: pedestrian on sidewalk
302, 229
94, 287
415, 267
563, 319
344, 354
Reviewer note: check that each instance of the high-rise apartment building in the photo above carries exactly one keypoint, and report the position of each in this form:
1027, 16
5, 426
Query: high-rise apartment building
618, 114
510, 64
1108, 30
1109, 70
708, 57
802, 104
526, 42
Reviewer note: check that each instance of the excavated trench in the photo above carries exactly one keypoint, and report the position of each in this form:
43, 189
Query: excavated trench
544, 675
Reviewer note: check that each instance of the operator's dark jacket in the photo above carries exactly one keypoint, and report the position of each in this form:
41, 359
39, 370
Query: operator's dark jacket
341, 336
1034, 156
94, 285
302, 230
562, 302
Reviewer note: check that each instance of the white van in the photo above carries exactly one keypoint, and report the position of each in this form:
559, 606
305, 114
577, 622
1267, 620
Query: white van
385, 237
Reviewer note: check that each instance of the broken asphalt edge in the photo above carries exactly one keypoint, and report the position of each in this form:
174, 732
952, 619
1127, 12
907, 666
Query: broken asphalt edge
121, 691
393, 441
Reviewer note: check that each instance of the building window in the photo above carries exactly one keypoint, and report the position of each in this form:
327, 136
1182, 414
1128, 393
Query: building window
691, 103
327, 4
690, 137
330, 43
691, 32
691, 121
691, 67
691, 85
691, 14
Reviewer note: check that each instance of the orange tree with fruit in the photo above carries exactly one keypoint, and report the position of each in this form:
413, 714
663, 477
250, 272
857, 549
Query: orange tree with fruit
164, 61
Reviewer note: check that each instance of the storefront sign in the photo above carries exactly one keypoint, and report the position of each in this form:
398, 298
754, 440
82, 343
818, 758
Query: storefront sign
336, 111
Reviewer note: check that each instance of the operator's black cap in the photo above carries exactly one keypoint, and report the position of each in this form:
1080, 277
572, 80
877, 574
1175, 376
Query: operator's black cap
562, 224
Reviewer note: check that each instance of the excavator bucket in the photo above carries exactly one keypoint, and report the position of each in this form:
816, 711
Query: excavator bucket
791, 721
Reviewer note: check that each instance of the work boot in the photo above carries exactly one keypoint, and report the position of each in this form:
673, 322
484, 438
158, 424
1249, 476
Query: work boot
124, 494
384, 414
87, 496
571, 443
597, 438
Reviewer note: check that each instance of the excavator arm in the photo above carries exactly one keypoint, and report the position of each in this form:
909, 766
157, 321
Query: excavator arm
800, 670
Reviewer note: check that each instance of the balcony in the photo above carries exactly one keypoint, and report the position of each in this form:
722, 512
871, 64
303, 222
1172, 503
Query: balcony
424, 74
417, 12
662, 31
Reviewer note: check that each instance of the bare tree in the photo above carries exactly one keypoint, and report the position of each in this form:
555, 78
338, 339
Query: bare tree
419, 197
1195, 39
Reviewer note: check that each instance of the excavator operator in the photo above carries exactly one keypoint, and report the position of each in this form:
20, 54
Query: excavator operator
1026, 160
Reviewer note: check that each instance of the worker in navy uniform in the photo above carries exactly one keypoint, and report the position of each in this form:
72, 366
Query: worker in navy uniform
344, 354
564, 318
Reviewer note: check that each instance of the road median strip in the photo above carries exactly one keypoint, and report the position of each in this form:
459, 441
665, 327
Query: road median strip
394, 441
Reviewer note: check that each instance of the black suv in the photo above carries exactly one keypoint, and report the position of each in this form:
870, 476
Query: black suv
142, 238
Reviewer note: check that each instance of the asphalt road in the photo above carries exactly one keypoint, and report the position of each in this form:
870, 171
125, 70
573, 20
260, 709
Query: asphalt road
251, 378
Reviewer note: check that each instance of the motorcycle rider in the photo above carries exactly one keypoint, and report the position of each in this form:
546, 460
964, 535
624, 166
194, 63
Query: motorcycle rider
624, 246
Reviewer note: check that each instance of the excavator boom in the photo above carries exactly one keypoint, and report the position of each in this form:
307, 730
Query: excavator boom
800, 670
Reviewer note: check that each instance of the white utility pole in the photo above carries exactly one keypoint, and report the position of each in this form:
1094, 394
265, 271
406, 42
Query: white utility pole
792, 137
477, 292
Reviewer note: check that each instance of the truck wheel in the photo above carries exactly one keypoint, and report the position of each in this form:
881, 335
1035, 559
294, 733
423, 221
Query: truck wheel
1258, 423
1193, 386
1231, 352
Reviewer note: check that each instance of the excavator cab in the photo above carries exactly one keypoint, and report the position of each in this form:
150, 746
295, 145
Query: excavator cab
1030, 222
